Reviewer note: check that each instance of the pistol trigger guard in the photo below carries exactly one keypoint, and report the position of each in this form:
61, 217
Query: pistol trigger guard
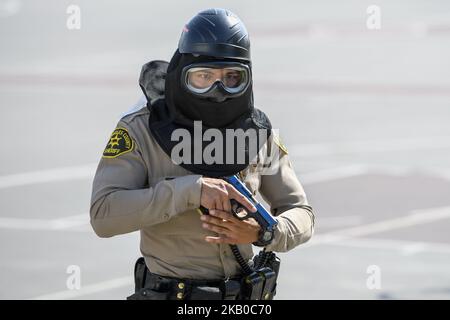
235, 207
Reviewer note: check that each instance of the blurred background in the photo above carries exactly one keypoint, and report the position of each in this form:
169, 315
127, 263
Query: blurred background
365, 115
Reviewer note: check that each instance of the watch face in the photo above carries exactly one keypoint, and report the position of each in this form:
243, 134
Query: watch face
267, 235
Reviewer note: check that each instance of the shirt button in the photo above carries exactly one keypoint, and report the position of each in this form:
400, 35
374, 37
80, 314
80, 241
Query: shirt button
179, 295
181, 285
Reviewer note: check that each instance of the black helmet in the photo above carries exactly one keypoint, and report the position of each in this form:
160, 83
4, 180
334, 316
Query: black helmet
216, 33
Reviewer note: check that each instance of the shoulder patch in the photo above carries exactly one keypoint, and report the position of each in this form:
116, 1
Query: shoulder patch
279, 143
119, 143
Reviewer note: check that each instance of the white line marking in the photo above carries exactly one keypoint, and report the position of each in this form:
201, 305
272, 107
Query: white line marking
362, 169
88, 172
333, 222
87, 290
369, 146
405, 247
50, 175
412, 249
333, 174
415, 218
66, 223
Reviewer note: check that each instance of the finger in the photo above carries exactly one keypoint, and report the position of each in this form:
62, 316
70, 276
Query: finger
224, 215
234, 194
221, 222
211, 239
216, 228
226, 205
210, 205
221, 239
218, 204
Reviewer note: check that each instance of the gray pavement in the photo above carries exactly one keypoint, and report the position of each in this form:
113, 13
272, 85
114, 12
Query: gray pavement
365, 115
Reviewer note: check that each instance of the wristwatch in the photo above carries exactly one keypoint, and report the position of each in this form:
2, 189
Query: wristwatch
265, 237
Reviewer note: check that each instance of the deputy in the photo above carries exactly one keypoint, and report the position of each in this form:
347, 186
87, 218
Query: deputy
138, 185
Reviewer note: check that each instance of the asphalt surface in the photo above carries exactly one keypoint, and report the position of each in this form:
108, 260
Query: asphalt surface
364, 114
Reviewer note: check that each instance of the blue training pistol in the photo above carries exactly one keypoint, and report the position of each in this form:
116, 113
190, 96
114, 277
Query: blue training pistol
262, 216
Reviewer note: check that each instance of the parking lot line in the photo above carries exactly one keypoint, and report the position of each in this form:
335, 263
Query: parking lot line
415, 218
65, 223
87, 290
48, 175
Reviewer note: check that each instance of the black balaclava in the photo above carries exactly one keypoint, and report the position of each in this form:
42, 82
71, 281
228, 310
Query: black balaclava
178, 108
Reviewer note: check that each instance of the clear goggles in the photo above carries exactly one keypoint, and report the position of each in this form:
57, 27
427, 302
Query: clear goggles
200, 78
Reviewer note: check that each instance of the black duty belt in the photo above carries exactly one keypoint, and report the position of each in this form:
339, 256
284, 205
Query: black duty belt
260, 284
150, 286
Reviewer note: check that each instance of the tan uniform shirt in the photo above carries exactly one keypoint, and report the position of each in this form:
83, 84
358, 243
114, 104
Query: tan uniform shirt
142, 189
